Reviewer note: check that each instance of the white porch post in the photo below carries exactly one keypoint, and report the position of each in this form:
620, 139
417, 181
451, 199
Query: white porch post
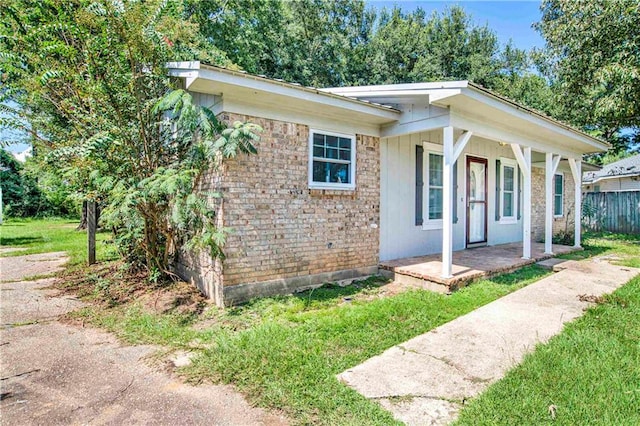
524, 161
576, 171
551, 165
451, 153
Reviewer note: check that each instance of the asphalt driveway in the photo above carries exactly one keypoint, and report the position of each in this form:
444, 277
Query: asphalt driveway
56, 373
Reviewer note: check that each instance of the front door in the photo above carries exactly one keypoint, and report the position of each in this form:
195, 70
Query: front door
476, 201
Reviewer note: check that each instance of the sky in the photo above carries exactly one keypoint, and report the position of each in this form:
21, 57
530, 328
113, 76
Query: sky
509, 19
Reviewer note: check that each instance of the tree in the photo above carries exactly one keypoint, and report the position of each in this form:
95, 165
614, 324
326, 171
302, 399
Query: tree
94, 94
593, 61
20, 194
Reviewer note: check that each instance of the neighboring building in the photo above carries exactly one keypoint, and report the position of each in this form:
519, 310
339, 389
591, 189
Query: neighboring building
348, 177
623, 175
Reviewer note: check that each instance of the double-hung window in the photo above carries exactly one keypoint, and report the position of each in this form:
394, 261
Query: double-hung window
433, 186
558, 194
332, 159
508, 190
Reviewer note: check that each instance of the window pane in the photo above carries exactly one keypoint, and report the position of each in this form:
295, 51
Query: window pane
345, 154
558, 184
332, 153
332, 141
435, 170
507, 199
508, 178
557, 205
345, 143
330, 172
435, 203
318, 151
318, 139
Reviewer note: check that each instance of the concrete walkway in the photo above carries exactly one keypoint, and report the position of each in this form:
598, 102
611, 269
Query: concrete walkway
424, 380
57, 374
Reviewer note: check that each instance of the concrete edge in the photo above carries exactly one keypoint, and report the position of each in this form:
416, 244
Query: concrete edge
240, 293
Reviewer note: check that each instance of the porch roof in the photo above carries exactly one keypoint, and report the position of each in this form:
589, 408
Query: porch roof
472, 107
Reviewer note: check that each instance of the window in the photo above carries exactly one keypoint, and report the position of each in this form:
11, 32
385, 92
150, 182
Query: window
508, 182
558, 194
332, 157
434, 184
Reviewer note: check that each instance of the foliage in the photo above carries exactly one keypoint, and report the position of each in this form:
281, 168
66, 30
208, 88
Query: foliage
337, 43
93, 91
20, 194
592, 58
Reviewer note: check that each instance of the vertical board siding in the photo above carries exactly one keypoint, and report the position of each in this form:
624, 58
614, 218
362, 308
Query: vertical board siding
612, 211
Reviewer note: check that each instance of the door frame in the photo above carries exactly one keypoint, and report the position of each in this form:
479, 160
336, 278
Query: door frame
468, 161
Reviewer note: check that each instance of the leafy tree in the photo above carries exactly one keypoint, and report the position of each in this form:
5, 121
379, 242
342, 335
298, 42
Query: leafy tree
592, 57
94, 93
20, 194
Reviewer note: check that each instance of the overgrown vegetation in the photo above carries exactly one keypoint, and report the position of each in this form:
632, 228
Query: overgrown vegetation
93, 93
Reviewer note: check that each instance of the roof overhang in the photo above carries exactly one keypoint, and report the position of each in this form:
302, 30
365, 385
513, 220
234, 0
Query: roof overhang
277, 94
471, 103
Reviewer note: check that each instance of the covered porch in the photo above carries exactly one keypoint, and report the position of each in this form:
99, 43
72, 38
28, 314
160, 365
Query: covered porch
487, 172
467, 265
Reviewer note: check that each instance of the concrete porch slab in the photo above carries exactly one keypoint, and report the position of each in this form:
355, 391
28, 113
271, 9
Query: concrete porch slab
469, 264
426, 379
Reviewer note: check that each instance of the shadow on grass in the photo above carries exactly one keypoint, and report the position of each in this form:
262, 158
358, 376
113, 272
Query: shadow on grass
328, 294
528, 273
20, 241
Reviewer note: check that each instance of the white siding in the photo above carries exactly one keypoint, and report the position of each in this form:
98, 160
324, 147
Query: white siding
614, 184
399, 236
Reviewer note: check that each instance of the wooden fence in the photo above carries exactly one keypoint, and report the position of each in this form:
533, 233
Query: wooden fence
611, 211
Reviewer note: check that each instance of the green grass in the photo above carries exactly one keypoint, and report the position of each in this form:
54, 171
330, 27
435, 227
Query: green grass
590, 372
49, 235
285, 352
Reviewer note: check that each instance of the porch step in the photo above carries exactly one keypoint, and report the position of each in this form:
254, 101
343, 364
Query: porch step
553, 264
468, 265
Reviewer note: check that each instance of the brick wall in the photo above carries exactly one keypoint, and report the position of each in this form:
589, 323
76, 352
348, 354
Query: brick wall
281, 228
538, 205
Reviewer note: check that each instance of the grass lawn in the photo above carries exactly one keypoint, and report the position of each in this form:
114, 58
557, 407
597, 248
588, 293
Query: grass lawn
48, 235
590, 373
284, 352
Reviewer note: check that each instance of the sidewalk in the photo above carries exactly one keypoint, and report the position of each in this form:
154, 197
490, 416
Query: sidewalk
426, 379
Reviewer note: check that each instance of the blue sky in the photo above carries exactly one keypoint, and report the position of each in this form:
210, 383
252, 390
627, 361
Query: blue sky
509, 19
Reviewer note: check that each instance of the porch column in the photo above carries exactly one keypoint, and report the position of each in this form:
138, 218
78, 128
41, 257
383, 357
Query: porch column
576, 172
551, 165
524, 161
451, 153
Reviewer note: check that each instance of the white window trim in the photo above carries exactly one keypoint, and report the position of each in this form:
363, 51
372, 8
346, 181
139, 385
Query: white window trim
352, 170
429, 224
509, 162
561, 196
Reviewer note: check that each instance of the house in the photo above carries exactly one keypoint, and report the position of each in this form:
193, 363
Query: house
348, 177
622, 175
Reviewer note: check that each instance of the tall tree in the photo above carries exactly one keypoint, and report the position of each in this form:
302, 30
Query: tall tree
91, 81
593, 59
